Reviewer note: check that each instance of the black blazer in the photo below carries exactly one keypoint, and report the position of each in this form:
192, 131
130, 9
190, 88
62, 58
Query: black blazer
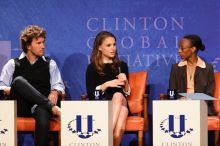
204, 81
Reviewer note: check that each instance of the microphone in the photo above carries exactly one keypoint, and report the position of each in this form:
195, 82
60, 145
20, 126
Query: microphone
172, 94
119, 70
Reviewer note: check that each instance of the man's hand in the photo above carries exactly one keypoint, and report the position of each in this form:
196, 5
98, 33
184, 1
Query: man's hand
7, 91
53, 96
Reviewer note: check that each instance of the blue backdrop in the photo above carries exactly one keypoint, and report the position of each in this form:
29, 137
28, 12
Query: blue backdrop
147, 34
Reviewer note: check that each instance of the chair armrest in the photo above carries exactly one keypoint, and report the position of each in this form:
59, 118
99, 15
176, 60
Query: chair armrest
84, 97
163, 96
216, 104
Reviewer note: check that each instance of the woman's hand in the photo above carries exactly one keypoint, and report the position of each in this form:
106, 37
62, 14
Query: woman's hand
122, 77
185, 98
116, 83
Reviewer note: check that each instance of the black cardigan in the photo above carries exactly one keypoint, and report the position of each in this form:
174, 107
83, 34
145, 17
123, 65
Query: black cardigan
93, 79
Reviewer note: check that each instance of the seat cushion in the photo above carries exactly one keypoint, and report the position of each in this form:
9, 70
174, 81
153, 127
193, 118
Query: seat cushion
135, 106
134, 123
213, 123
28, 124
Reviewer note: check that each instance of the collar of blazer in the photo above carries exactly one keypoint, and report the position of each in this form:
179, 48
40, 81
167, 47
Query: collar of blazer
200, 63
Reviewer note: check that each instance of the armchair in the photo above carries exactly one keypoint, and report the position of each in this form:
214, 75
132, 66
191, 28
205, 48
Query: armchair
214, 121
137, 102
27, 125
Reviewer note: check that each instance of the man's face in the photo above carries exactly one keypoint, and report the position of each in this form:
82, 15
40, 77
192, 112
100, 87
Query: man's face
37, 46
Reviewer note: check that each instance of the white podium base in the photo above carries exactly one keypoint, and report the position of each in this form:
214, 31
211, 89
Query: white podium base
86, 123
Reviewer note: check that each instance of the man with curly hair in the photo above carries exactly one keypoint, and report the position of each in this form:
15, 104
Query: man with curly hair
34, 81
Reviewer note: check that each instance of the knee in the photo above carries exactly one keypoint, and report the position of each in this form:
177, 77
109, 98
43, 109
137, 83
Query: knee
18, 80
118, 97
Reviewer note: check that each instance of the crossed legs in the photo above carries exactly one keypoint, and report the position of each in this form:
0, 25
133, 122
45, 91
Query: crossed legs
27, 96
120, 114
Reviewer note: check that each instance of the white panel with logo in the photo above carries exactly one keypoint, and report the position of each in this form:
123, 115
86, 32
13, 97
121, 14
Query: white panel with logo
180, 123
86, 123
8, 113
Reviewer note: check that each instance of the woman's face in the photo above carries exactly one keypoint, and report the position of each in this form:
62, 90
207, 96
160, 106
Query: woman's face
108, 48
186, 50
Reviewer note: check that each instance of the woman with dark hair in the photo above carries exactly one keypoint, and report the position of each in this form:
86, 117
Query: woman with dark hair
192, 74
110, 75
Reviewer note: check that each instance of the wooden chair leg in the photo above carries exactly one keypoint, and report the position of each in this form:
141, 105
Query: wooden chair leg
140, 138
59, 136
217, 138
54, 139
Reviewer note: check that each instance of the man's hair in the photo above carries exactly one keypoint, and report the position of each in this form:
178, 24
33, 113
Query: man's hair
28, 34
